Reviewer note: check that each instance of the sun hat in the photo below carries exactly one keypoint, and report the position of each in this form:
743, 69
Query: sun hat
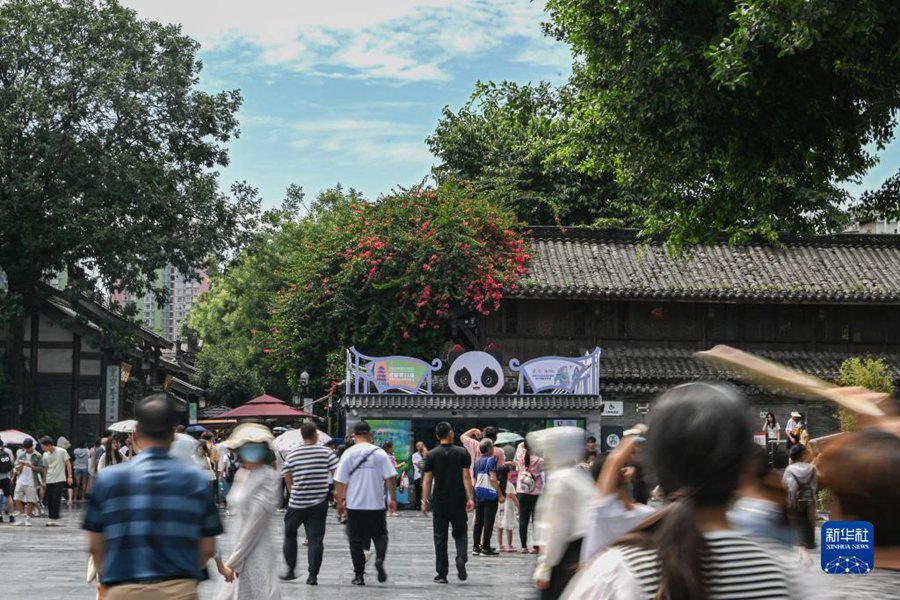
249, 433
796, 414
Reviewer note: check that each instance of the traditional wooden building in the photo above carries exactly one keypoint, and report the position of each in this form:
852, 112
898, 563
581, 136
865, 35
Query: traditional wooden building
87, 364
809, 302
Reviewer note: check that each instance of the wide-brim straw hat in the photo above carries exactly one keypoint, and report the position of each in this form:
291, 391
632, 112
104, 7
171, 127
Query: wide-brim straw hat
795, 414
249, 433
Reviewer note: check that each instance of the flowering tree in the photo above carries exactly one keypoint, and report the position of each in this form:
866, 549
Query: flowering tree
390, 276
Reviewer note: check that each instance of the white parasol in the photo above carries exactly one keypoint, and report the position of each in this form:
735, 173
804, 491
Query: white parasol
126, 426
289, 440
15, 437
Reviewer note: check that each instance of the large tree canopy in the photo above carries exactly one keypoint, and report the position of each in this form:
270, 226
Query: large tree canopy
107, 147
743, 116
505, 140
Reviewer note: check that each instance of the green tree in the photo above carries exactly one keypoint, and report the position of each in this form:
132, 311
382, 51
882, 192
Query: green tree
107, 154
870, 373
228, 374
390, 276
233, 316
504, 141
738, 116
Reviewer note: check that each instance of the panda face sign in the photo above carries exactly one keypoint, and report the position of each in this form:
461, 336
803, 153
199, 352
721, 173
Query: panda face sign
475, 373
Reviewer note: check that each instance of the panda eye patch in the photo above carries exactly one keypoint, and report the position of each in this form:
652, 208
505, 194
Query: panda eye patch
489, 377
463, 378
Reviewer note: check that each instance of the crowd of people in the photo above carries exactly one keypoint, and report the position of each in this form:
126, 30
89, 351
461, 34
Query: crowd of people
686, 506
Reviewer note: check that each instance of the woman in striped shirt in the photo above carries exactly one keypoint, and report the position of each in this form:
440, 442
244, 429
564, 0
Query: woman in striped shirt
698, 444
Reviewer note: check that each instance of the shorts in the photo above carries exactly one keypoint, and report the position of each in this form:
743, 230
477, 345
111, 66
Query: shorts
81, 472
26, 493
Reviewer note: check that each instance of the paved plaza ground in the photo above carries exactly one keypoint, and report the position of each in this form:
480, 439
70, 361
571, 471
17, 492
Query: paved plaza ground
50, 564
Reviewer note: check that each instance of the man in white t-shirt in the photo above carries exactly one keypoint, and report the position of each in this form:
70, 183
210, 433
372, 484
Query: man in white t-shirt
360, 480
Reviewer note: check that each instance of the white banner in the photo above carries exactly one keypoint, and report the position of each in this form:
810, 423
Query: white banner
112, 394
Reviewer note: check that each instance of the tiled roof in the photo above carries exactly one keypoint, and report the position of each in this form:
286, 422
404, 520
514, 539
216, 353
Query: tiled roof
212, 411
616, 264
678, 364
544, 402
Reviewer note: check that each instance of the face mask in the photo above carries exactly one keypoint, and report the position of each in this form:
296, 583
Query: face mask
254, 453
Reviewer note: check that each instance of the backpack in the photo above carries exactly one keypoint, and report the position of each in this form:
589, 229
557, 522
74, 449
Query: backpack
6, 461
804, 498
484, 491
231, 467
526, 482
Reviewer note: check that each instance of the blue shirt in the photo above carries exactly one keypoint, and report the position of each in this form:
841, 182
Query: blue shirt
152, 512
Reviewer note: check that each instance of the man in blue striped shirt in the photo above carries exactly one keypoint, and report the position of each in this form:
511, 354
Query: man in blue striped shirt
307, 472
152, 522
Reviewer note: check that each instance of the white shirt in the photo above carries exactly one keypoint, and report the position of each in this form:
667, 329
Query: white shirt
562, 516
365, 487
608, 520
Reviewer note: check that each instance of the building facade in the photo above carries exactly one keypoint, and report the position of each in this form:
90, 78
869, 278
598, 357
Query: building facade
808, 302
168, 319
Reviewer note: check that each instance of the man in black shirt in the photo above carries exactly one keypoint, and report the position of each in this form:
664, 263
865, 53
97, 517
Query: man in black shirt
447, 489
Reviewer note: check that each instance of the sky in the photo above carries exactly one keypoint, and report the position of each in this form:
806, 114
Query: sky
346, 91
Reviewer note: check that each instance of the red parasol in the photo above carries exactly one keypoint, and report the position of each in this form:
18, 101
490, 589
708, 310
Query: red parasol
264, 406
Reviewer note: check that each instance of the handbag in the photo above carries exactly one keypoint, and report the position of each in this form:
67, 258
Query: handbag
484, 491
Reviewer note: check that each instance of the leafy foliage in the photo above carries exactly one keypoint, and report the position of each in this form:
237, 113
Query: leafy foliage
742, 117
229, 374
107, 148
504, 141
390, 274
870, 373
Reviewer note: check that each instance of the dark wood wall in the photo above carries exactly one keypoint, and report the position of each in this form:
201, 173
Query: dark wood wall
530, 328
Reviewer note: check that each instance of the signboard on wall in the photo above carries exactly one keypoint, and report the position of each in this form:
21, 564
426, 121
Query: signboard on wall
89, 406
401, 373
610, 436
613, 408
192, 413
112, 394
476, 373
559, 374
398, 431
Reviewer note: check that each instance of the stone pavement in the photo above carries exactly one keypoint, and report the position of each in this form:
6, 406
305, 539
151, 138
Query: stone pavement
50, 564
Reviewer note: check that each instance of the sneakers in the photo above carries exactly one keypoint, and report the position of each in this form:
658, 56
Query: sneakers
53, 523
289, 576
441, 579
476, 551
379, 566
27, 522
312, 580
489, 552
358, 580
461, 568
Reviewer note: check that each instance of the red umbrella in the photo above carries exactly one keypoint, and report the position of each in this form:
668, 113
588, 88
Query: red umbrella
264, 406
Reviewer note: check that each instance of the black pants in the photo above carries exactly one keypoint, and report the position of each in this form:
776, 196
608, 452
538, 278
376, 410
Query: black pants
417, 487
55, 493
562, 573
527, 503
444, 516
313, 520
362, 526
485, 513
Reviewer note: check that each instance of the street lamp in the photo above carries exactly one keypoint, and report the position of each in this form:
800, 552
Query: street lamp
304, 380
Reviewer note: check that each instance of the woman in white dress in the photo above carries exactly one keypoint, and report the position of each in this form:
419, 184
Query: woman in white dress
252, 501
508, 515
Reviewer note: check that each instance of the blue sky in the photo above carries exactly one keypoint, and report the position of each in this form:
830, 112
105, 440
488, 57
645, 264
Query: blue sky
347, 90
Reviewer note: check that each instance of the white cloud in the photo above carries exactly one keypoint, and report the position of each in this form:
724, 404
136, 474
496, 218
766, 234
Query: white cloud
402, 40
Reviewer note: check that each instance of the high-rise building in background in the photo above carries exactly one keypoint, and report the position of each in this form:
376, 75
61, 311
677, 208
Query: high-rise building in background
168, 319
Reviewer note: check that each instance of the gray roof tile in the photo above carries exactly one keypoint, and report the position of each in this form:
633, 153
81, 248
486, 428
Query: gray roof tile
616, 264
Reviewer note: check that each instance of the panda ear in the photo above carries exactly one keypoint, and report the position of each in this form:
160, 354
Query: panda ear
495, 351
455, 352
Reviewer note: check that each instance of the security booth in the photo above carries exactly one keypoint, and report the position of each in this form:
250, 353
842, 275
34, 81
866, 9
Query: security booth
404, 398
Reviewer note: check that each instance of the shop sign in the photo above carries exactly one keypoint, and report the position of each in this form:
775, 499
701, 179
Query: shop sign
398, 431
559, 374
400, 373
112, 394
